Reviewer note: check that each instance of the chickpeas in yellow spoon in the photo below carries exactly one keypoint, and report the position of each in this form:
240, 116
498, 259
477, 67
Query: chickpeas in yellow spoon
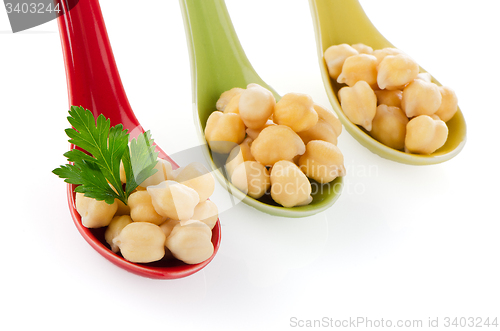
384, 99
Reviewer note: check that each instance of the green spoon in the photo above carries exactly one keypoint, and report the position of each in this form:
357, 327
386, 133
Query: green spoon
344, 21
218, 63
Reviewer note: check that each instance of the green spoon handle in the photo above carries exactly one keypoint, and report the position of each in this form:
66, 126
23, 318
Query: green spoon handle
216, 53
218, 62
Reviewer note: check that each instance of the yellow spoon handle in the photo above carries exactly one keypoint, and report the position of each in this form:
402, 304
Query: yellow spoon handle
345, 21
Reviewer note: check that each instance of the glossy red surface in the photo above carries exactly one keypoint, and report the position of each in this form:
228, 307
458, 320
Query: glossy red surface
94, 83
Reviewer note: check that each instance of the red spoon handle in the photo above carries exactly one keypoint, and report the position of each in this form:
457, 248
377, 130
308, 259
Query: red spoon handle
91, 72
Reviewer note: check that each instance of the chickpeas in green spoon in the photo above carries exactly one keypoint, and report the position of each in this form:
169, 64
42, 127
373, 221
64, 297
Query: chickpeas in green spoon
219, 64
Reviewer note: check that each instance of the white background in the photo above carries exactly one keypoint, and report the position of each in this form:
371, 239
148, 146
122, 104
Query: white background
402, 242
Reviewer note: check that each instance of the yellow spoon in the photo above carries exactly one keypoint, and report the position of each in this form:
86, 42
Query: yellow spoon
344, 21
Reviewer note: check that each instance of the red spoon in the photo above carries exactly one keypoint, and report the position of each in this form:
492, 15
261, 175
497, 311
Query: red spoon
94, 83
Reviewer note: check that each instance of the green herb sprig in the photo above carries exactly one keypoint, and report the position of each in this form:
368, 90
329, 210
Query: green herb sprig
98, 174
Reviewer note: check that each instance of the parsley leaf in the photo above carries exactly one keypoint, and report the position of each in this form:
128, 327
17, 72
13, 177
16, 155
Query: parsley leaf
98, 174
89, 179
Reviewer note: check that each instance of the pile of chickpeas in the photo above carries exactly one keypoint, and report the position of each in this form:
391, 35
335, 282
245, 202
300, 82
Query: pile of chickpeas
387, 96
168, 216
274, 147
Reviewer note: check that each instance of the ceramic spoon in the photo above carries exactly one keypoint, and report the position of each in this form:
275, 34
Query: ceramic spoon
94, 83
218, 63
344, 21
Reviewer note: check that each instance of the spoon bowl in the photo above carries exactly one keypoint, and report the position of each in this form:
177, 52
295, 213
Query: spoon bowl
94, 83
218, 63
344, 21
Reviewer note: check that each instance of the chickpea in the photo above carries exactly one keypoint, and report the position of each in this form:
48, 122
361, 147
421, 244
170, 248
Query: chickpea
275, 143
362, 48
322, 161
224, 131
252, 178
226, 97
306, 202
424, 134
233, 105
168, 226
256, 106
253, 133
174, 200
238, 155
359, 104
295, 110
114, 228
206, 212
164, 172
142, 209
449, 104
190, 242
328, 127
329, 117
94, 213
391, 98
289, 186
362, 67
389, 126
321, 131
141, 242
123, 175
335, 56
425, 76
420, 98
395, 71
122, 209
380, 54
196, 176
